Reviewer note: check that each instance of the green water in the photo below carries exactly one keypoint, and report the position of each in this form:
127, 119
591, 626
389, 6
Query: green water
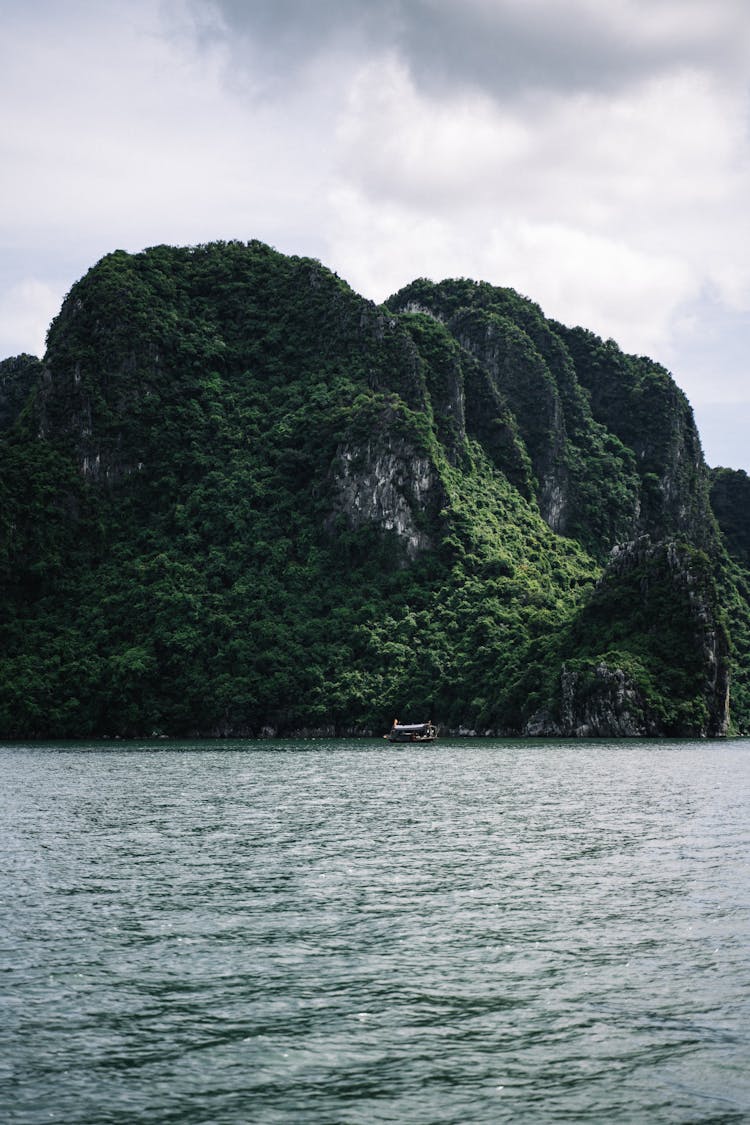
345, 932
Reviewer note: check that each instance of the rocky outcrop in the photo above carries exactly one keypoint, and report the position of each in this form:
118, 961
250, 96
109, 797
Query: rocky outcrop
674, 576
672, 600
730, 501
608, 706
386, 484
637, 400
595, 702
502, 349
524, 396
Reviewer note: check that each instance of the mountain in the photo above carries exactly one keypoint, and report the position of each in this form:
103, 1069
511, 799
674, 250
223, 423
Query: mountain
237, 497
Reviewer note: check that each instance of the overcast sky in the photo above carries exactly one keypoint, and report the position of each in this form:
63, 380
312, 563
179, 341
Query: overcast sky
595, 156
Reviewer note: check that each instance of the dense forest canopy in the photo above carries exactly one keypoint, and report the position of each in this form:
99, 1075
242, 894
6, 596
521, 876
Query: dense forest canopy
236, 496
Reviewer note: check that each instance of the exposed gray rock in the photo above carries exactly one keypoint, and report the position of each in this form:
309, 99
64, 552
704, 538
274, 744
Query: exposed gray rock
601, 699
387, 484
611, 707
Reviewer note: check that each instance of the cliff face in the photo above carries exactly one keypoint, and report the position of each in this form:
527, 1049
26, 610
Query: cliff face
386, 483
612, 440
730, 500
615, 462
242, 497
666, 595
637, 400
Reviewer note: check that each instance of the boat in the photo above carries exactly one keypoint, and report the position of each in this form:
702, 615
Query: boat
412, 732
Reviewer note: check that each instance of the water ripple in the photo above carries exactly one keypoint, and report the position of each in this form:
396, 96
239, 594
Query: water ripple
339, 932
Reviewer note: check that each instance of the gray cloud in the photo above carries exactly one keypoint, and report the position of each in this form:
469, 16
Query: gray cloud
505, 48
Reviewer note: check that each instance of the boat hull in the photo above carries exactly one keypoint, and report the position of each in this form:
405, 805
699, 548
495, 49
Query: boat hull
412, 732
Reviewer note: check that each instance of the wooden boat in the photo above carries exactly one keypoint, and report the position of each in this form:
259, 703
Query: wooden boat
412, 732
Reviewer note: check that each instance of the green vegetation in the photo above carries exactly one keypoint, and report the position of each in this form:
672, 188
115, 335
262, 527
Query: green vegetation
237, 496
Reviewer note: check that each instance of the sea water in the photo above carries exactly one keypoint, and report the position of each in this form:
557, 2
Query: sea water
349, 932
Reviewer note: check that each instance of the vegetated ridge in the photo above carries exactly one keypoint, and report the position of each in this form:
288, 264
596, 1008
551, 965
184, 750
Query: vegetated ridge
237, 498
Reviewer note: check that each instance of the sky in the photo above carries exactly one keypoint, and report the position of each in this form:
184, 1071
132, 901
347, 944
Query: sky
594, 156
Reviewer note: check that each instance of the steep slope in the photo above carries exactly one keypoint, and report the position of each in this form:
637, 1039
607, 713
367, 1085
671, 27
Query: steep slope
617, 464
242, 497
730, 499
612, 440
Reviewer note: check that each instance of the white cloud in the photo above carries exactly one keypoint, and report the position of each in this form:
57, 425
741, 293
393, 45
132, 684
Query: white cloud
576, 277
25, 314
611, 212
122, 135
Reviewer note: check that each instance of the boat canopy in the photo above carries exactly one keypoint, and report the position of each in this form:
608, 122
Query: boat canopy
412, 732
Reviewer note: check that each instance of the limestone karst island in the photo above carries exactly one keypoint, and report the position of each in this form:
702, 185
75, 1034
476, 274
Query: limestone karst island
237, 497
